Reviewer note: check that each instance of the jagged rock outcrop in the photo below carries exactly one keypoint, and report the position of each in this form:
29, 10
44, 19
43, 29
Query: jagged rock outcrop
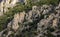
41, 21
5, 4
52, 21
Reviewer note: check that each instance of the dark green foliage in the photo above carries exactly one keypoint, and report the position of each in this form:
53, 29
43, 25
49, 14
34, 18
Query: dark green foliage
53, 2
5, 19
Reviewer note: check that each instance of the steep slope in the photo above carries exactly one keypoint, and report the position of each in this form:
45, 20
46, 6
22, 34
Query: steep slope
31, 20
39, 22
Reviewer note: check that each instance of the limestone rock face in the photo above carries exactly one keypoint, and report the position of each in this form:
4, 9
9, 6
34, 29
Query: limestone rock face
46, 9
5, 4
21, 17
15, 25
41, 21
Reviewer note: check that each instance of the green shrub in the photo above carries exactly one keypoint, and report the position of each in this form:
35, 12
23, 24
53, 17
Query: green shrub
53, 2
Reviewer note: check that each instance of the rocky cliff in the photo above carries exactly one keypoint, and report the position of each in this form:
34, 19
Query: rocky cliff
41, 21
5, 4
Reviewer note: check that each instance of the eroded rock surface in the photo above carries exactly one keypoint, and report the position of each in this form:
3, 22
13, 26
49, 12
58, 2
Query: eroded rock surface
38, 22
